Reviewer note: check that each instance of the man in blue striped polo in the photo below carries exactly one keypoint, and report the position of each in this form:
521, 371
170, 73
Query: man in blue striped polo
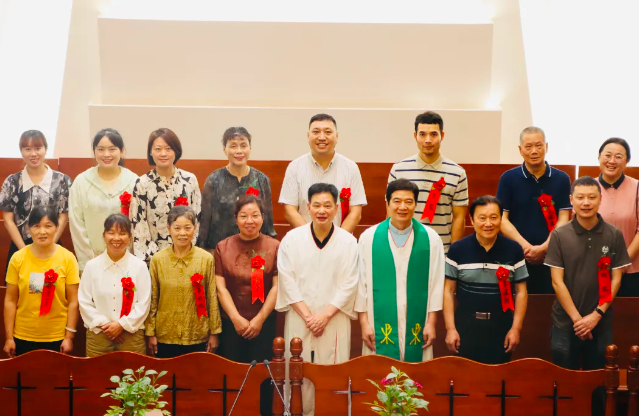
443, 187
487, 272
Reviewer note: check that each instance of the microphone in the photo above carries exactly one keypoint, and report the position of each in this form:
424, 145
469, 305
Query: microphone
287, 411
253, 364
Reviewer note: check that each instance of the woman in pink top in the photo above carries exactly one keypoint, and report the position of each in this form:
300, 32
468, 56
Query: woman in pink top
619, 205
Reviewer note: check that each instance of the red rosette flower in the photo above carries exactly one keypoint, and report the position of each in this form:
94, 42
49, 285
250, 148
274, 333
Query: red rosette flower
252, 191
604, 262
385, 381
345, 194
440, 184
125, 203
257, 262
196, 279
545, 201
182, 200
502, 273
127, 284
50, 277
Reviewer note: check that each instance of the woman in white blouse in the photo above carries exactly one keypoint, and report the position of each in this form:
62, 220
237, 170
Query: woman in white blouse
158, 191
115, 294
96, 193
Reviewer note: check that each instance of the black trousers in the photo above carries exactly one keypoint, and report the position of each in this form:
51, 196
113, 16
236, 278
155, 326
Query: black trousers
629, 285
23, 347
482, 340
539, 280
235, 348
12, 250
175, 350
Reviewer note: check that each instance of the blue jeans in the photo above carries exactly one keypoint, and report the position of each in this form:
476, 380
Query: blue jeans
568, 351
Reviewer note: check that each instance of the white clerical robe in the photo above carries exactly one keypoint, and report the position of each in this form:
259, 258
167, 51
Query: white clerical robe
401, 256
318, 277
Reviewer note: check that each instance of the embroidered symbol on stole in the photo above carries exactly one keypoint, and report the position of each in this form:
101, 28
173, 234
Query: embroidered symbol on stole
416, 331
387, 331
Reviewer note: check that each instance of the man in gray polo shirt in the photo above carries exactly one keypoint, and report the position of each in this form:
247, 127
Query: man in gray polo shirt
587, 257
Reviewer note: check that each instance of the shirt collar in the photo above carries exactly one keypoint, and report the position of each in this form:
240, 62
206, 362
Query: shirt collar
395, 231
596, 229
27, 183
527, 174
316, 164
434, 166
322, 244
186, 259
155, 176
615, 185
107, 263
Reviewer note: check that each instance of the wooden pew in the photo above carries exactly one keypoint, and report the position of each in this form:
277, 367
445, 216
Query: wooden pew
633, 382
457, 386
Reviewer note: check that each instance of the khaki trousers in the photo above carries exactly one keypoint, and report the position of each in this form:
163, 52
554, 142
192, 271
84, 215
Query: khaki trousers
98, 344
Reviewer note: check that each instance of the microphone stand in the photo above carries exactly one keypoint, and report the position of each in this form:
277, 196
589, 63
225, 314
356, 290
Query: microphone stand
287, 411
253, 364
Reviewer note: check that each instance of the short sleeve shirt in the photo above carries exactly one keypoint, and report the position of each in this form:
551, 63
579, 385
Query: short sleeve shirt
475, 271
424, 175
27, 272
518, 191
304, 171
20, 195
577, 251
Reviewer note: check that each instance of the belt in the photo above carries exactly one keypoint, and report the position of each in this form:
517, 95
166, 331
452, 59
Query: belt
482, 315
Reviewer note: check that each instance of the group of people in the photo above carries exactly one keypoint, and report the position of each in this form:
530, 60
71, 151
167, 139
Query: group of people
156, 258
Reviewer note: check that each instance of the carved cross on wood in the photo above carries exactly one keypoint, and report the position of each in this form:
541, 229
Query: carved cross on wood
503, 396
174, 390
19, 387
555, 398
451, 396
224, 390
71, 388
349, 394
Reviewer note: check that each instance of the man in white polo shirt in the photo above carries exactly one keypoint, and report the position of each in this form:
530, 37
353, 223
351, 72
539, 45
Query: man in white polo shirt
443, 187
323, 164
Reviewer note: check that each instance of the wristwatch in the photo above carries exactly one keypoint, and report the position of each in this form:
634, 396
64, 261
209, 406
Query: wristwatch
600, 312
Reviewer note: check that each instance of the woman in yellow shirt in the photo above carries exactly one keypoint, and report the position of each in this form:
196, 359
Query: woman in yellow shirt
184, 315
41, 304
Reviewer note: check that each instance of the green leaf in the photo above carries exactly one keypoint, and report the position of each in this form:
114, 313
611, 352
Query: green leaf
382, 396
129, 404
128, 371
150, 372
161, 373
391, 376
115, 379
106, 394
394, 370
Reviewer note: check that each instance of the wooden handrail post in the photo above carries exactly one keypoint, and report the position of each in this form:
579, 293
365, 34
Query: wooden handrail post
296, 374
278, 368
611, 379
633, 382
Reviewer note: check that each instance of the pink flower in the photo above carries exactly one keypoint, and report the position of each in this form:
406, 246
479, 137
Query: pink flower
385, 382
419, 386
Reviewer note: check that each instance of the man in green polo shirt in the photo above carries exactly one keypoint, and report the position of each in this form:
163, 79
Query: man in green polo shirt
587, 257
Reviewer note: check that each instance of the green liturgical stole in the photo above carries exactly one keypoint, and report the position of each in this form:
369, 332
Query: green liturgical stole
385, 294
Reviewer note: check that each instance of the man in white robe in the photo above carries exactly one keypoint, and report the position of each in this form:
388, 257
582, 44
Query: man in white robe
409, 289
318, 277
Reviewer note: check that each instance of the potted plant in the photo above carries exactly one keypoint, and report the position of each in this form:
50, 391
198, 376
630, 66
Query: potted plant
137, 394
398, 395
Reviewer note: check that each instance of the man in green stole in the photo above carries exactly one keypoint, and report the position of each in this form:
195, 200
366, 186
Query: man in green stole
401, 281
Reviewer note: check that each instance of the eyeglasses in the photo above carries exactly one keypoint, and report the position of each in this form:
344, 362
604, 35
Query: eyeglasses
618, 157
246, 217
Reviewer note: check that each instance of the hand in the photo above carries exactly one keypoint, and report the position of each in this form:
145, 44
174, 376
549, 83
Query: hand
586, 324
152, 345
318, 323
429, 335
112, 330
254, 328
512, 340
368, 336
452, 340
211, 346
535, 254
67, 346
241, 325
10, 348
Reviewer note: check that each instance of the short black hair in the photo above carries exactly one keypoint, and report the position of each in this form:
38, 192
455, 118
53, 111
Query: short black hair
119, 221
585, 181
401, 185
235, 133
322, 117
320, 188
41, 211
482, 201
616, 140
182, 211
245, 200
429, 117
